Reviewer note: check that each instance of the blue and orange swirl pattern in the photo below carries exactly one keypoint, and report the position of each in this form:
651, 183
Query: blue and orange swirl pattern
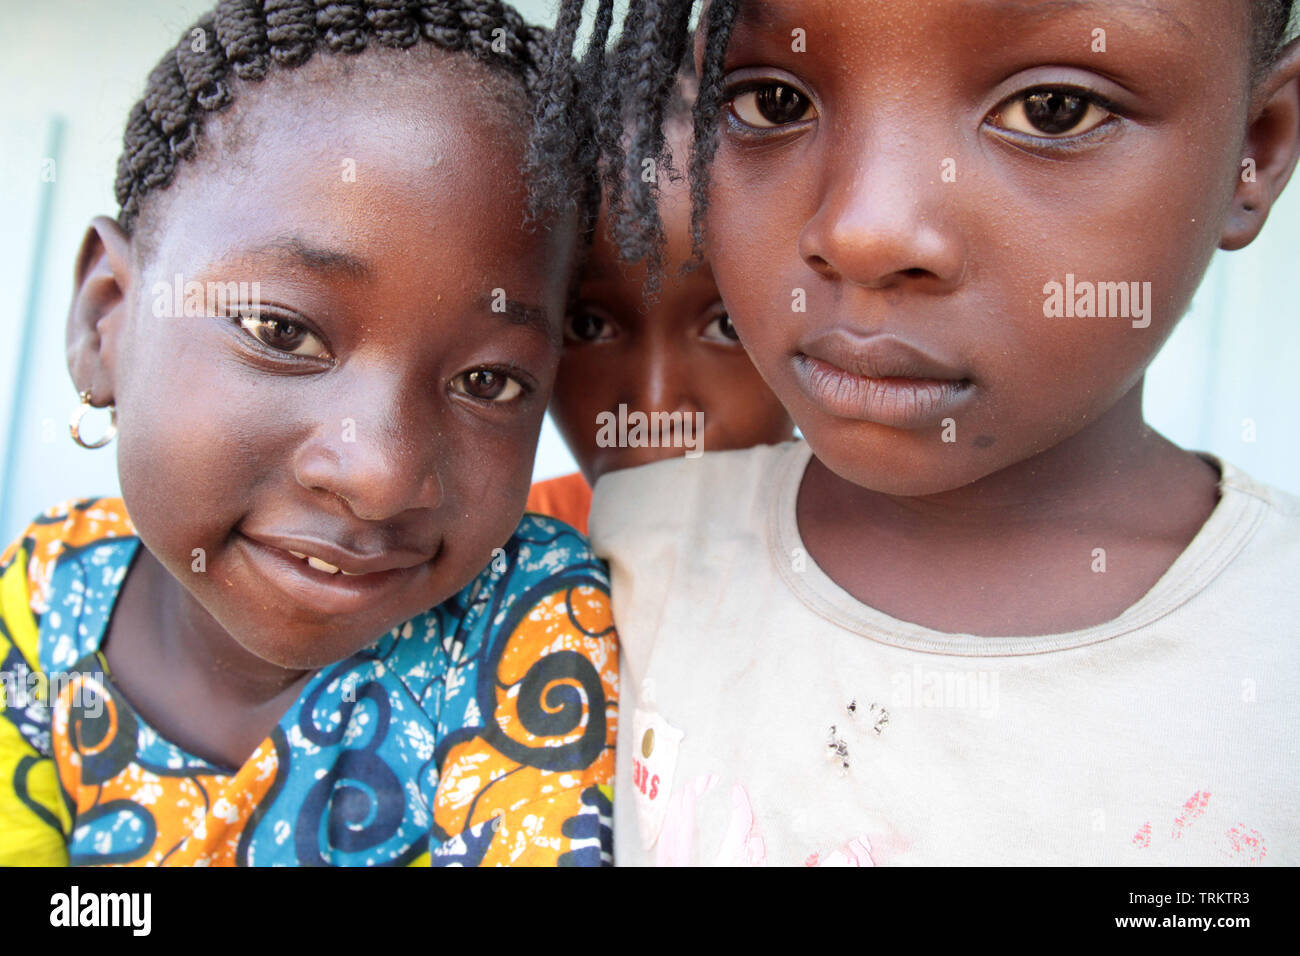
479, 733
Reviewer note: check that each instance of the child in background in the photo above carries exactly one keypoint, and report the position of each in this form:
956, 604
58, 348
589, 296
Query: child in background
985, 614
674, 354
315, 630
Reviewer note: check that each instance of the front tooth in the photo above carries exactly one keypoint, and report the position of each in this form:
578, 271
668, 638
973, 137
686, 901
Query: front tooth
299, 555
351, 574
320, 565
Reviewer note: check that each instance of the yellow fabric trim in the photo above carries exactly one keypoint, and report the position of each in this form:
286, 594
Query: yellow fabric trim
15, 605
27, 839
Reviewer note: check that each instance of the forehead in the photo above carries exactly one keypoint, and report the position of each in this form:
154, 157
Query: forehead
351, 151
1186, 17
906, 54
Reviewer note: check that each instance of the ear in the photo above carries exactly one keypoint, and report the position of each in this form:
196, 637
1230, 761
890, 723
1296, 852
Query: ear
97, 319
1272, 147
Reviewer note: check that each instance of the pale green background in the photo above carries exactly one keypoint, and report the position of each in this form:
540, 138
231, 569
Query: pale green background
83, 62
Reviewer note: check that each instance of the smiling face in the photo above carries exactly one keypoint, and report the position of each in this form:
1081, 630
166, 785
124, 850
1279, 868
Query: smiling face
679, 353
379, 414
889, 208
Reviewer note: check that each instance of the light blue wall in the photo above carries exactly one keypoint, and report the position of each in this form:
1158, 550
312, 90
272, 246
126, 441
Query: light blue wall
79, 64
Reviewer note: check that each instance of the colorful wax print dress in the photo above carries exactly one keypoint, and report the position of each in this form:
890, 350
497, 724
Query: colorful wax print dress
478, 733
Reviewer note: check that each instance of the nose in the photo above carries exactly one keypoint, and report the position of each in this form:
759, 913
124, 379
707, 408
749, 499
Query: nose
664, 382
885, 221
378, 454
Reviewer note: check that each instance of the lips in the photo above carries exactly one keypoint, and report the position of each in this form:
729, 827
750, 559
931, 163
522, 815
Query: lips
879, 378
327, 578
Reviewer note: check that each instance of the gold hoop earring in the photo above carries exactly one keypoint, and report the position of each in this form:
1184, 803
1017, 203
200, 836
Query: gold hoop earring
80, 412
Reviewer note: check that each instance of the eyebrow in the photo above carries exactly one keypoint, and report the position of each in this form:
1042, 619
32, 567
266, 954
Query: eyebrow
1042, 9
765, 14
317, 258
530, 316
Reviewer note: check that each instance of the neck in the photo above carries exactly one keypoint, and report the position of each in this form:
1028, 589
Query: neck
188, 640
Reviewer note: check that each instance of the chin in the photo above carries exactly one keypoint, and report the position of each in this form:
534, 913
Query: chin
304, 650
901, 464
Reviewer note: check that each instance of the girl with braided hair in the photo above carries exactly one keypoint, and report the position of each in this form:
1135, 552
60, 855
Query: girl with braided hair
315, 629
983, 613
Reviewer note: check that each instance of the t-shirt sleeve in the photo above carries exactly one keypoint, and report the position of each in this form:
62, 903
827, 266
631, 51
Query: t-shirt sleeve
33, 818
531, 784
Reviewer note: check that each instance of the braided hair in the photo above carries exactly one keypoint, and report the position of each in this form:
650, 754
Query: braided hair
247, 39
634, 92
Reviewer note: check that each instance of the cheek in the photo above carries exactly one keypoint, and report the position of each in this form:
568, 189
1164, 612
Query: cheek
740, 409
585, 386
754, 223
485, 471
194, 439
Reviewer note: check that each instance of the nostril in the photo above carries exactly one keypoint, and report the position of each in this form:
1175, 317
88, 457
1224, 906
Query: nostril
819, 265
916, 273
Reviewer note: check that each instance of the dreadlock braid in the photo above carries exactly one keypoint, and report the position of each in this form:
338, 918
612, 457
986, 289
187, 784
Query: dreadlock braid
628, 100
708, 104
589, 140
608, 119
660, 45
247, 39
554, 114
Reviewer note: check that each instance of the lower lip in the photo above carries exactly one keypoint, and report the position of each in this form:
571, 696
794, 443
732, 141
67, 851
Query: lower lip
895, 402
328, 594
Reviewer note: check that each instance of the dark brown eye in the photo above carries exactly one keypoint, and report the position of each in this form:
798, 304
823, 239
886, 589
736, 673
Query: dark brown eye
721, 330
487, 385
1052, 113
583, 326
1055, 111
776, 104
283, 335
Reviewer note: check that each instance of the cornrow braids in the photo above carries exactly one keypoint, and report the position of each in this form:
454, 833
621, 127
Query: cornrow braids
629, 100
247, 39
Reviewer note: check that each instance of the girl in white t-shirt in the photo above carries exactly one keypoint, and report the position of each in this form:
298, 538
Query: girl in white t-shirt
985, 613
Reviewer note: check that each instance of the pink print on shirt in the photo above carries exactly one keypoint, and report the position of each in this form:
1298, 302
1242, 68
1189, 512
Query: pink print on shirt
742, 842
1240, 843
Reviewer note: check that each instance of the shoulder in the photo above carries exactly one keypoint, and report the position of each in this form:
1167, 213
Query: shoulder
721, 490
57, 534
1273, 515
1279, 504
65, 560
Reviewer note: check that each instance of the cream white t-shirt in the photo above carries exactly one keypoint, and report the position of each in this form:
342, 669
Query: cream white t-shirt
1169, 735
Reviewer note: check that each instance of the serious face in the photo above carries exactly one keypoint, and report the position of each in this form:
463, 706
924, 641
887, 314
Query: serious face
676, 354
951, 233
351, 452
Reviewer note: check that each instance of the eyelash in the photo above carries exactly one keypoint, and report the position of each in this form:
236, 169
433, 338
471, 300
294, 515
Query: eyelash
1063, 143
741, 127
1044, 142
242, 320
511, 375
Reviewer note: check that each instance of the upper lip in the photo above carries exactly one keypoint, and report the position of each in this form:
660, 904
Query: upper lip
877, 355
345, 559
